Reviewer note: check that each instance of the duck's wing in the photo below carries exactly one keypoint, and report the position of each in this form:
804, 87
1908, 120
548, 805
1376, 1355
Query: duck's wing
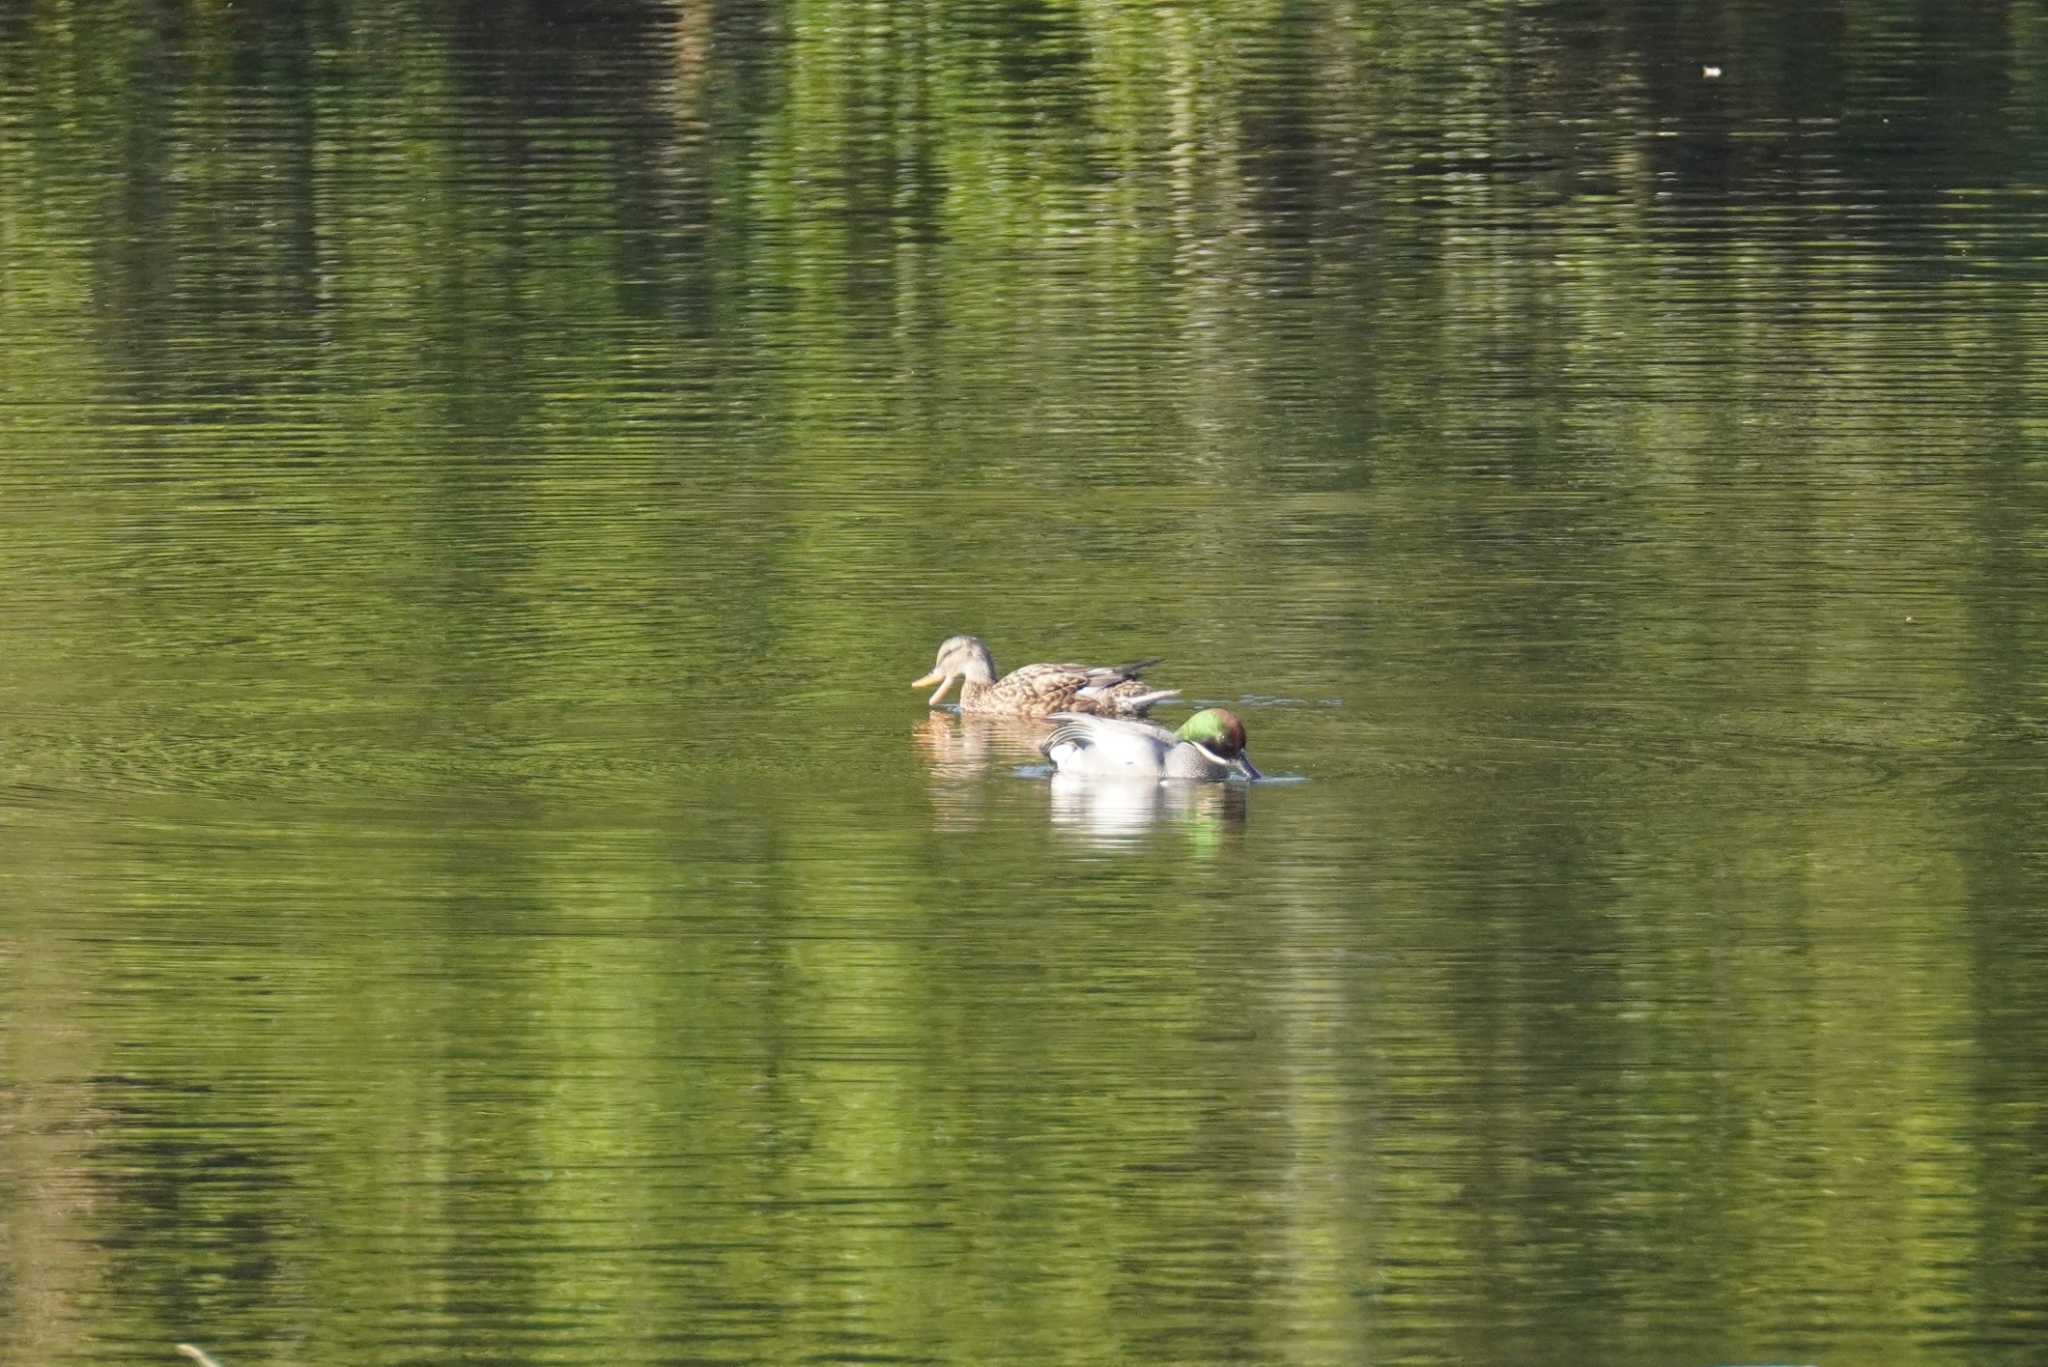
1040, 689
1108, 743
1117, 690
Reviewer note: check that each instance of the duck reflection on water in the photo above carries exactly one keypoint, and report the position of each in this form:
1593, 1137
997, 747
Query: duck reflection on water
960, 751
1117, 810
961, 747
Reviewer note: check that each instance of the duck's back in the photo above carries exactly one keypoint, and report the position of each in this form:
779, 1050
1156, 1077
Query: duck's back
1083, 743
1043, 689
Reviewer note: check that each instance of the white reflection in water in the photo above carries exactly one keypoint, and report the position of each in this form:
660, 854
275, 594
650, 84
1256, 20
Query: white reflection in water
1112, 811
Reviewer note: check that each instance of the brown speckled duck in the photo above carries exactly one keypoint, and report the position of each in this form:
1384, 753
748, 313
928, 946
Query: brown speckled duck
1039, 690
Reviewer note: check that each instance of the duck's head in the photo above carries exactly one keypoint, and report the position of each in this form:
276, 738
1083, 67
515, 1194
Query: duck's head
960, 657
1218, 734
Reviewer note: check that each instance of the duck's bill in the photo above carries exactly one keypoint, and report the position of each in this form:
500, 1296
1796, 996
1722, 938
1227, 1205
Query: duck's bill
1245, 766
945, 685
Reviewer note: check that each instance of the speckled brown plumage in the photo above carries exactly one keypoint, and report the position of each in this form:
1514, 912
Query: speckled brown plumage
1042, 689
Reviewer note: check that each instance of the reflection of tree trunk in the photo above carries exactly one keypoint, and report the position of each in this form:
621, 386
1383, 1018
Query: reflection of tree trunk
47, 1265
693, 58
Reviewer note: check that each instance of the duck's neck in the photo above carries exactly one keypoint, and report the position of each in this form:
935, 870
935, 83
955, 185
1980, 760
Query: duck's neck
1185, 760
979, 672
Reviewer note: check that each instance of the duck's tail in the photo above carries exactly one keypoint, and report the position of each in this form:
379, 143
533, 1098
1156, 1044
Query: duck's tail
1140, 704
1069, 738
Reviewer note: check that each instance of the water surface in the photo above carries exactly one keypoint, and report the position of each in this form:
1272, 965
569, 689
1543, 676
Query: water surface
473, 489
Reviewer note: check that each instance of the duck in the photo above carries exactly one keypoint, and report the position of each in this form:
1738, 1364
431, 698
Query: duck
1209, 747
1039, 690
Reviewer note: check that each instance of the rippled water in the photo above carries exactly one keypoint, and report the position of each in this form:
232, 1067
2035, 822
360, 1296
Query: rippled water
474, 487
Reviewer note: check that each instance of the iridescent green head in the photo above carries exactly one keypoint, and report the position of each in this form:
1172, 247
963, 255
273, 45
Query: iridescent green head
1217, 733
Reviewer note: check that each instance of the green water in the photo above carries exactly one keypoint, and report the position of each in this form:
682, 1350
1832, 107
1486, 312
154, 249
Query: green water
476, 483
